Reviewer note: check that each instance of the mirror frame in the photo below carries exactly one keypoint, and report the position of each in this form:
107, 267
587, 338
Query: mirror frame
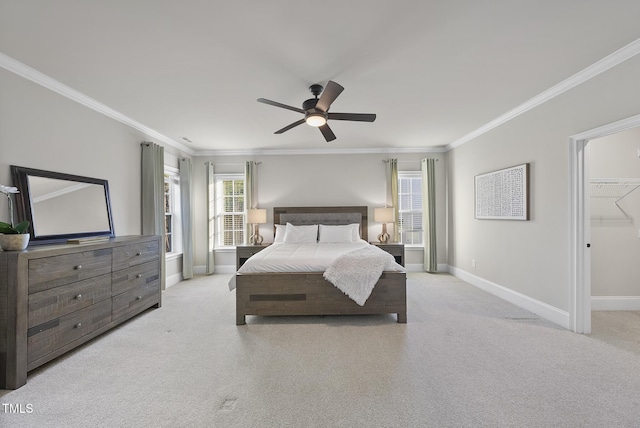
25, 207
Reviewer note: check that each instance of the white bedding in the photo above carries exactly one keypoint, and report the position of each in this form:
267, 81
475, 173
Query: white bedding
306, 257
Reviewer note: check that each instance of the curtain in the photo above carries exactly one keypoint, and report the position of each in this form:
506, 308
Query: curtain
186, 215
250, 172
211, 218
393, 183
429, 214
152, 197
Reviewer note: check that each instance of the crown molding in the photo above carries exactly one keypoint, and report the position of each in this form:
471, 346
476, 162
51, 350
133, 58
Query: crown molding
610, 61
285, 152
42, 79
608, 129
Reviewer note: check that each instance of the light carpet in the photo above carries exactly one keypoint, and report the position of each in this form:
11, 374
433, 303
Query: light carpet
464, 359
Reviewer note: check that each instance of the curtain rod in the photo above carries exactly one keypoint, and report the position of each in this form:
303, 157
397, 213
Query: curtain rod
231, 163
409, 161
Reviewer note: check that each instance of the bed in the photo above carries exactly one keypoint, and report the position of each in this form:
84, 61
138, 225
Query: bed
309, 293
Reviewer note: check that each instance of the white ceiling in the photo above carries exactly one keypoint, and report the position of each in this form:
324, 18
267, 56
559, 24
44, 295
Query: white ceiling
432, 70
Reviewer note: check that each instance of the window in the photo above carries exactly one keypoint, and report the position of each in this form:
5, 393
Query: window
410, 207
230, 222
172, 220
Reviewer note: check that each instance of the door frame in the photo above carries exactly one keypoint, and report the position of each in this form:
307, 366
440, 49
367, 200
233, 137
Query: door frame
580, 260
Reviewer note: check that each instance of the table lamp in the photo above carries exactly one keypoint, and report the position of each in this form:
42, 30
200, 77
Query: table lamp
383, 215
256, 216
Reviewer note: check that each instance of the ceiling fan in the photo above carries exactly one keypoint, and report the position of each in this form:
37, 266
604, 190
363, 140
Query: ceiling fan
316, 110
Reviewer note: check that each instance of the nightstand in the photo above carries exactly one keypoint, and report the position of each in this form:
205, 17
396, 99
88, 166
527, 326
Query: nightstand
243, 252
396, 249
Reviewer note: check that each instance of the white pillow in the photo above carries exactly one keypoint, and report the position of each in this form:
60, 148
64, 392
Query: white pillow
341, 233
355, 230
280, 230
301, 234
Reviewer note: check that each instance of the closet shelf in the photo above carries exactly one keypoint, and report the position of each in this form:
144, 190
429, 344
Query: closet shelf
618, 188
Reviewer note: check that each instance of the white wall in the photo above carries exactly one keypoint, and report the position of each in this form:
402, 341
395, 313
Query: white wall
529, 260
44, 130
319, 180
615, 243
41, 129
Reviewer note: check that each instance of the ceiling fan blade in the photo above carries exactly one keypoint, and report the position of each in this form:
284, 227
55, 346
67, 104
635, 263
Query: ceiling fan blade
329, 95
327, 132
288, 127
357, 117
276, 104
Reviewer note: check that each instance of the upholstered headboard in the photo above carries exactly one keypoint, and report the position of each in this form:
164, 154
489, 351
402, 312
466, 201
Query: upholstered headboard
323, 215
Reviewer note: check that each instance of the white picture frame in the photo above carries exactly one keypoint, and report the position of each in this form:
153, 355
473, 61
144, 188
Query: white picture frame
503, 194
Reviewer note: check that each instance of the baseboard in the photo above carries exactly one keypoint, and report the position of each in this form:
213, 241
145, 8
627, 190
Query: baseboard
539, 308
172, 280
419, 267
225, 269
202, 270
615, 303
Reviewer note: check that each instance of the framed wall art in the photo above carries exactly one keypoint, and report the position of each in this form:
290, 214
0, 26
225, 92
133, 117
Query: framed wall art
503, 194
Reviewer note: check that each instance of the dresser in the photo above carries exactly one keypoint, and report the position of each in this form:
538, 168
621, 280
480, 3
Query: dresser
57, 297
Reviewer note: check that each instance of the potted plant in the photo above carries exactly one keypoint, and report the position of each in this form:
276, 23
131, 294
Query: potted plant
14, 236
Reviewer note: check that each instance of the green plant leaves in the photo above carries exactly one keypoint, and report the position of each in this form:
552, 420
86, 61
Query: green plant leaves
19, 228
22, 227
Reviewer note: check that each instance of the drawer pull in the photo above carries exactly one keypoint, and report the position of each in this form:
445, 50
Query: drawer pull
139, 298
139, 275
78, 325
138, 254
78, 267
78, 297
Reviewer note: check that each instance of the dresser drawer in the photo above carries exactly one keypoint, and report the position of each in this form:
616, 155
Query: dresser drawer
132, 301
135, 254
56, 302
46, 338
49, 272
136, 276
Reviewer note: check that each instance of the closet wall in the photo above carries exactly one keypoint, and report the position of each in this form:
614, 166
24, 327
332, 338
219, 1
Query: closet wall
615, 214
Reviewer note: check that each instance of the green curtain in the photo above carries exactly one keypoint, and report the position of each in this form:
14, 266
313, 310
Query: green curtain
152, 197
250, 173
184, 165
429, 214
393, 181
211, 218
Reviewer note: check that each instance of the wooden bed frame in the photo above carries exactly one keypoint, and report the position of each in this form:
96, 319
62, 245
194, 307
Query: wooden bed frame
309, 293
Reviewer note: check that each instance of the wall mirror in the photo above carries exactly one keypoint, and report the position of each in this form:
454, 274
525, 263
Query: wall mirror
62, 206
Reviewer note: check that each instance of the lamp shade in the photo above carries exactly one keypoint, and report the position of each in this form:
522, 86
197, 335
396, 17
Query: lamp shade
257, 216
383, 215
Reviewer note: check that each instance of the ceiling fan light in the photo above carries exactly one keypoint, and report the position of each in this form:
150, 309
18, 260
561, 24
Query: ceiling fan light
316, 120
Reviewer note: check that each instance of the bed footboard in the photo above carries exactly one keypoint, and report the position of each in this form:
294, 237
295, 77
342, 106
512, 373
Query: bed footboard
310, 294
